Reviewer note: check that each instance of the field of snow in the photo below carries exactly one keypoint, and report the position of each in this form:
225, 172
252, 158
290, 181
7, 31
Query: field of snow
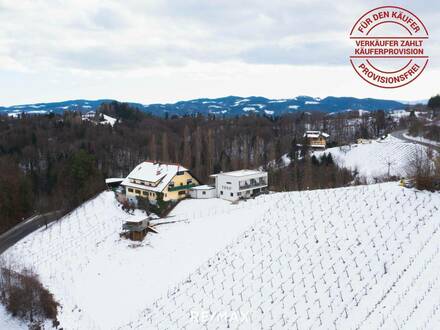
351, 258
373, 159
102, 281
358, 258
9, 322
109, 120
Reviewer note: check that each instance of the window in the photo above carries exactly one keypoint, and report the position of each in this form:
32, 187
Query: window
130, 190
189, 181
232, 194
171, 185
182, 192
181, 183
137, 191
165, 195
145, 193
181, 173
228, 183
239, 194
203, 192
221, 192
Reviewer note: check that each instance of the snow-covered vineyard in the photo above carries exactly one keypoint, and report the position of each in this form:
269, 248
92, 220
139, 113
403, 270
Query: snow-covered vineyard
352, 258
358, 258
376, 158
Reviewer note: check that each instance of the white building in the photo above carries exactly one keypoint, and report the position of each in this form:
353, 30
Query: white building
240, 184
89, 115
202, 192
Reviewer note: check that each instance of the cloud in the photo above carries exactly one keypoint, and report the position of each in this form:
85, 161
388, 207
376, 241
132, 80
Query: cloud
134, 34
78, 39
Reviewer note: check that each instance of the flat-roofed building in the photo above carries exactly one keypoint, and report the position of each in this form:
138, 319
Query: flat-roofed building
240, 184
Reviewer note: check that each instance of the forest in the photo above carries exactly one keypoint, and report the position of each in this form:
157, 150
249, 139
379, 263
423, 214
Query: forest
54, 162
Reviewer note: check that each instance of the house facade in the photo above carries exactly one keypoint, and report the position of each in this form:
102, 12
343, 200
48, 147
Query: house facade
240, 184
316, 139
149, 179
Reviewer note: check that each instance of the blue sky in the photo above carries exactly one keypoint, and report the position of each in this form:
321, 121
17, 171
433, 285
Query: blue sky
162, 51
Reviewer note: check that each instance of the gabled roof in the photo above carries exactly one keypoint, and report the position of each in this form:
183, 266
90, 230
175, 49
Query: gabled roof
315, 134
155, 173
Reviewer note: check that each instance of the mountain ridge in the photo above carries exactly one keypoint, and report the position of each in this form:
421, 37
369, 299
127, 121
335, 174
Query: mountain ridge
223, 106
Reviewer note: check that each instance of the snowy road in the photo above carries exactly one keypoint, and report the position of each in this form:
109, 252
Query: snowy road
26, 227
401, 135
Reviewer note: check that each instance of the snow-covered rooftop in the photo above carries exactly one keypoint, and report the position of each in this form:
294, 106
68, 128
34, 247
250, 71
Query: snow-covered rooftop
240, 173
153, 172
315, 134
113, 180
202, 187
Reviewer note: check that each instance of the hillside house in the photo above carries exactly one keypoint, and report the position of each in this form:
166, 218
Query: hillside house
149, 179
316, 139
240, 184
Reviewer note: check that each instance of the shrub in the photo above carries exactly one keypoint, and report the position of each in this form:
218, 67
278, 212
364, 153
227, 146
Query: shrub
425, 170
24, 296
430, 183
159, 207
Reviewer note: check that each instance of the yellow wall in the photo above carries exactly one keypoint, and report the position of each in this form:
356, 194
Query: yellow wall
179, 180
151, 195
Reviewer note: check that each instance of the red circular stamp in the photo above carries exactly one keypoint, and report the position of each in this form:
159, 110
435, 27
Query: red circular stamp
389, 47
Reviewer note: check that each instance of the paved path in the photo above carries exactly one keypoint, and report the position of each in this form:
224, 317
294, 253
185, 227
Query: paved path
26, 227
399, 135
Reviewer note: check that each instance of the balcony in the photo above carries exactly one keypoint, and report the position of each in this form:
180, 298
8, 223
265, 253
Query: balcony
250, 185
185, 187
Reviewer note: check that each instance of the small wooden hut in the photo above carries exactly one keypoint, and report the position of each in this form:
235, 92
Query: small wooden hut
136, 229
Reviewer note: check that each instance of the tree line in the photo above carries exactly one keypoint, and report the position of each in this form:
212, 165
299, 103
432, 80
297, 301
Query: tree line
58, 161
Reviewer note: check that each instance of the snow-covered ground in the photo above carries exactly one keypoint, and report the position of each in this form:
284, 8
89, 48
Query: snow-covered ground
8, 322
108, 120
357, 258
363, 257
103, 281
375, 158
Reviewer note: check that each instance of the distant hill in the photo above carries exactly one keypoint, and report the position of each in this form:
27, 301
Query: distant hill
225, 106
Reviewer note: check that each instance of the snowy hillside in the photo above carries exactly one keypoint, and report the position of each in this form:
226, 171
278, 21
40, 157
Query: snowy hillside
362, 257
373, 159
103, 281
357, 258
